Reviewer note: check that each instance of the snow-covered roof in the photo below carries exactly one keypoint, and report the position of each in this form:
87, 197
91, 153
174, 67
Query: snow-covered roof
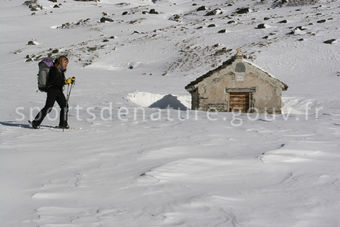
226, 64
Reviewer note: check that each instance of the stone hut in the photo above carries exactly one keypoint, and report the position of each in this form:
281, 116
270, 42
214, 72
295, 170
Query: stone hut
237, 85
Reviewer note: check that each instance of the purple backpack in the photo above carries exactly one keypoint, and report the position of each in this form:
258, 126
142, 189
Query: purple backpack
44, 68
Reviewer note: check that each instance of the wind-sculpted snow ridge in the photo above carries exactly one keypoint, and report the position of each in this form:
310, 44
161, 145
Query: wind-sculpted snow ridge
202, 173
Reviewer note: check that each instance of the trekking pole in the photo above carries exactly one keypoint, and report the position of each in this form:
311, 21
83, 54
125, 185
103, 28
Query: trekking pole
65, 111
73, 80
68, 93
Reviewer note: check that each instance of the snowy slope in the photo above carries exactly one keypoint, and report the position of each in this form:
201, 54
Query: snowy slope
125, 164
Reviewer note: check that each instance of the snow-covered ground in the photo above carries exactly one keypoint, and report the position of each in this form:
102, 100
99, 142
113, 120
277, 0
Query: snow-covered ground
128, 161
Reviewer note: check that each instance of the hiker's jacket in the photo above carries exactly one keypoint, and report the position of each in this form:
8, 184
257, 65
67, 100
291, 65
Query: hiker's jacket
55, 79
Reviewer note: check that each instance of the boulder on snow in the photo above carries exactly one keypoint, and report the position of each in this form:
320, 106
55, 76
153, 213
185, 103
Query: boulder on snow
175, 17
297, 31
201, 8
321, 21
32, 43
153, 11
242, 10
330, 41
105, 19
33, 5
168, 102
261, 26
214, 12
280, 3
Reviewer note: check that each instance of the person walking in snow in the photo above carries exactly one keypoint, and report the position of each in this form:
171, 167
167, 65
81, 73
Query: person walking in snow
55, 83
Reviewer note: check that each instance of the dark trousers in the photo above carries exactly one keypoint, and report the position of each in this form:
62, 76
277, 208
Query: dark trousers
53, 94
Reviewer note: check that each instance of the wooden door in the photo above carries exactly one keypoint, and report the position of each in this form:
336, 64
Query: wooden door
239, 102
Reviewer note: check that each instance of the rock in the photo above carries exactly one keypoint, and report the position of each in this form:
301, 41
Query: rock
201, 8
282, 22
39, 58
214, 12
124, 13
279, 3
266, 18
105, 19
33, 5
261, 26
300, 28
82, 22
31, 43
297, 30
52, 0
211, 25
301, 39
56, 6
18, 51
321, 21
231, 22
222, 51
55, 51
175, 17
66, 25
222, 31
91, 49
122, 4
242, 10
133, 21
330, 41
153, 11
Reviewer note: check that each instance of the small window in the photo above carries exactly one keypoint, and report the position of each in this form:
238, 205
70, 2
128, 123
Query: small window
240, 67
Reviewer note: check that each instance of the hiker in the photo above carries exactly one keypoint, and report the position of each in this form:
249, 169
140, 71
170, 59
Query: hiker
54, 85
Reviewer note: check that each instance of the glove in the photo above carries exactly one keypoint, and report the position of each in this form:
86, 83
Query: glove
70, 80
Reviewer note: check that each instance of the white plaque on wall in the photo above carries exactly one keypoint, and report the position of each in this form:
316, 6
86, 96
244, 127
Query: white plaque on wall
239, 78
